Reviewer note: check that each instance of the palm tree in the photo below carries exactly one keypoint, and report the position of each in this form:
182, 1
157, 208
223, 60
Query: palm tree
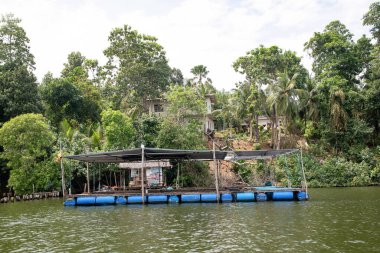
200, 72
246, 99
309, 100
284, 98
338, 115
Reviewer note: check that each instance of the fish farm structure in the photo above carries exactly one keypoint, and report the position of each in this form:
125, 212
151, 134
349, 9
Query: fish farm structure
147, 186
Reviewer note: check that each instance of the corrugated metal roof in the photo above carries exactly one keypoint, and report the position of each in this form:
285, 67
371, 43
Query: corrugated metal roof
122, 156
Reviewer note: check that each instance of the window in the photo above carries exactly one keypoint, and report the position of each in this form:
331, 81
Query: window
158, 108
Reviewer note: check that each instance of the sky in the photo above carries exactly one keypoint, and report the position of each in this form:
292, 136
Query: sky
192, 32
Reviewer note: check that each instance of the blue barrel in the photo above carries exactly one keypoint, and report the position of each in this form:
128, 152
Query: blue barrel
261, 197
282, 196
70, 202
173, 199
245, 196
135, 199
191, 198
226, 197
302, 196
105, 200
86, 201
209, 197
157, 199
121, 200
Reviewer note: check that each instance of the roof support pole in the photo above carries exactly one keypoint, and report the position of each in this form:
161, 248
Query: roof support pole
142, 173
62, 172
88, 178
63, 179
303, 172
215, 172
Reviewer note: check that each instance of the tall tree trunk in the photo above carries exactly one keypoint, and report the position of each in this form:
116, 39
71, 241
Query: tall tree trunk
250, 130
274, 128
256, 117
278, 131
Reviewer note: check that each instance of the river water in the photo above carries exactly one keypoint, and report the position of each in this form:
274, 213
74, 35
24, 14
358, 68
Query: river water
334, 220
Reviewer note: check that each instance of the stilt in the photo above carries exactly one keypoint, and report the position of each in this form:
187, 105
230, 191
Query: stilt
63, 175
177, 181
88, 179
142, 174
216, 173
303, 173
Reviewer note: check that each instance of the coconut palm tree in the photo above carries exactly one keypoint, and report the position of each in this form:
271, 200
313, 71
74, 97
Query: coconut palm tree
309, 100
338, 115
284, 98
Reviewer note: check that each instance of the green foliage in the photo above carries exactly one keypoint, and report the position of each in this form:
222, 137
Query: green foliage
193, 174
244, 170
177, 136
74, 60
66, 100
118, 130
372, 18
200, 73
27, 141
14, 48
139, 62
176, 77
18, 87
185, 104
147, 131
263, 64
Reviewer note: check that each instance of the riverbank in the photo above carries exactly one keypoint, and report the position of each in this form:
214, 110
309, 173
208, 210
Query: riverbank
10, 198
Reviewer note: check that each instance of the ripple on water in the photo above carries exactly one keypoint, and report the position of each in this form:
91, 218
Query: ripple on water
324, 224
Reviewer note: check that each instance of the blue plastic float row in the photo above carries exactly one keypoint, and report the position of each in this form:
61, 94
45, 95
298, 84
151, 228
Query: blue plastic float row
186, 198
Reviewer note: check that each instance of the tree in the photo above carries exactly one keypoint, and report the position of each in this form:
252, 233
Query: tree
200, 73
137, 63
176, 136
118, 130
27, 141
148, 128
185, 104
284, 97
338, 64
262, 67
176, 77
335, 53
18, 87
74, 60
372, 87
64, 100
372, 18
14, 48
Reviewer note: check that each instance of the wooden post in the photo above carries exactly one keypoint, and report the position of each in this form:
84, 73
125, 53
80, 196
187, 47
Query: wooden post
88, 179
303, 172
142, 173
62, 174
177, 181
216, 172
124, 180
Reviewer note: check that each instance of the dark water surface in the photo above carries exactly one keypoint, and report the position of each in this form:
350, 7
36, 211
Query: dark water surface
334, 220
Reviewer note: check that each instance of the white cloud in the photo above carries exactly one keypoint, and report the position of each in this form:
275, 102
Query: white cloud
212, 33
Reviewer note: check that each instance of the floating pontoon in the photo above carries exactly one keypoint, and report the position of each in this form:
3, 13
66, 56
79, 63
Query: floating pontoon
147, 195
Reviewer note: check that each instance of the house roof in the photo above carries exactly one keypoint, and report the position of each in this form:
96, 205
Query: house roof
130, 155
